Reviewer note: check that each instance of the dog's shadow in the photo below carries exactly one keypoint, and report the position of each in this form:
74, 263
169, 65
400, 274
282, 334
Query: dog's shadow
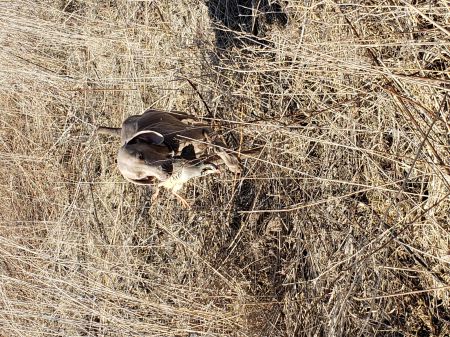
233, 17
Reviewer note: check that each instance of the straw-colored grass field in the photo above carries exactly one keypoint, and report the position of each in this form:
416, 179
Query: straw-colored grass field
339, 227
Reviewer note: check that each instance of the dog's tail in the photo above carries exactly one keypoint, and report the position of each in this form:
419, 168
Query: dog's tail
109, 131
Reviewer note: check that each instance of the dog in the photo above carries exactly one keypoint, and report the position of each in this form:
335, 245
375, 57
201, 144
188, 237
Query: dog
157, 144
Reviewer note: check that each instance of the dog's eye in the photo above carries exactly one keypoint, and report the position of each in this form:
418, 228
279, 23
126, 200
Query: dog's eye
139, 156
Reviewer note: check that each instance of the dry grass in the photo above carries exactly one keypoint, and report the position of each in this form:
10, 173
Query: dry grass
339, 228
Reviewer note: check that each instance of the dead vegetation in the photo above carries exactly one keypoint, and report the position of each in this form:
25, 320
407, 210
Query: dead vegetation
339, 228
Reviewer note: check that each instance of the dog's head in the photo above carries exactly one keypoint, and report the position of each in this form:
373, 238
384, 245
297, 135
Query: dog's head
144, 157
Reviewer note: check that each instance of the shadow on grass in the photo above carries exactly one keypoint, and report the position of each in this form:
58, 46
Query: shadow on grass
233, 17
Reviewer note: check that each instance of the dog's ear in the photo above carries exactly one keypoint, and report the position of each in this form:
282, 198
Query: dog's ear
147, 136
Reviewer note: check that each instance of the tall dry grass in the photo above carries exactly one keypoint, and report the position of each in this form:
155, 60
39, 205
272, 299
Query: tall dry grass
340, 227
